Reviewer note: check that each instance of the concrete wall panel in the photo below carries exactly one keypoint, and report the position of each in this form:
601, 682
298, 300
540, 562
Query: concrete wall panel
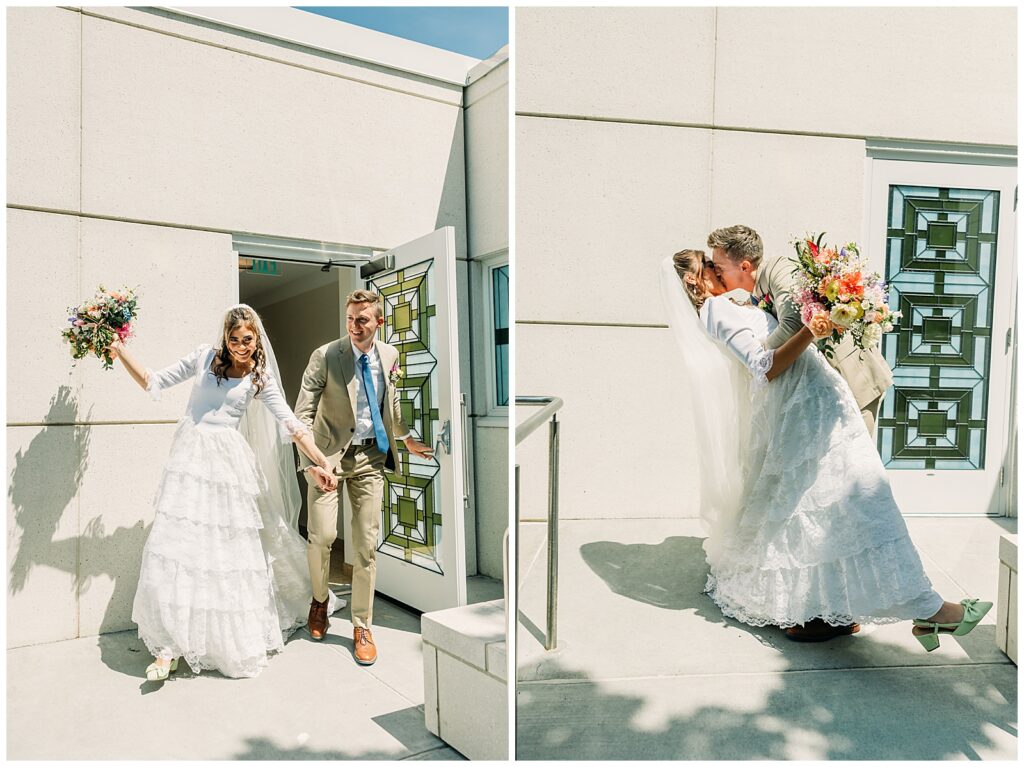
492, 494
115, 519
625, 451
43, 107
598, 206
940, 74
193, 134
784, 186
43, 281
635, 63
45, 466
185, 279
487, 162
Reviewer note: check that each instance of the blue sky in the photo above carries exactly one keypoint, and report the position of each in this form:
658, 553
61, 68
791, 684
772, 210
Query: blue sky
476, 32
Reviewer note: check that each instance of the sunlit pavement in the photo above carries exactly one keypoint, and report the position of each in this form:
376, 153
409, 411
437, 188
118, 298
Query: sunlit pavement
89, 699
648, 668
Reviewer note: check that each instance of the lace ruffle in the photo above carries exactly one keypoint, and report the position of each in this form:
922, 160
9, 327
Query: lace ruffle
879, 585
152, 386
292, 429
760, 366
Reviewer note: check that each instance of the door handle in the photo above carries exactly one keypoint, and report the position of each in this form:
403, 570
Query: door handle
444, 439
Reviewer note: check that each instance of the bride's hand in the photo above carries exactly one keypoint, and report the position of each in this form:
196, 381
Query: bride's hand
115, 348
325, 480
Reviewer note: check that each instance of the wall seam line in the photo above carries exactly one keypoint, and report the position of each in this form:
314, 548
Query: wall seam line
748, 129
166, 224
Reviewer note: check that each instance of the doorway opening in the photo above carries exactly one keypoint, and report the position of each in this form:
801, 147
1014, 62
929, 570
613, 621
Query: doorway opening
301, 307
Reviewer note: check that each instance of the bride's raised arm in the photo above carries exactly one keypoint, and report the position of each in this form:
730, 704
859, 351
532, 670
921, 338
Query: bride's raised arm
155, 381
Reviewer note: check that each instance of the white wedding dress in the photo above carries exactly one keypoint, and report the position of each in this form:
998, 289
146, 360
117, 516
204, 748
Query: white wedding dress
224, 579
817, 533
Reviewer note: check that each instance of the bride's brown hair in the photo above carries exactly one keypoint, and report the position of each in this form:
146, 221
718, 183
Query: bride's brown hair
240, 315
690, 263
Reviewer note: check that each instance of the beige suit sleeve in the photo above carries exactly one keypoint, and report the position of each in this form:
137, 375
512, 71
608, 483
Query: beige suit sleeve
781, 283
314, 378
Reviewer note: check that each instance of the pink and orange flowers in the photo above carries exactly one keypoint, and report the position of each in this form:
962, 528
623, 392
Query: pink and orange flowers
836, 294
95, 324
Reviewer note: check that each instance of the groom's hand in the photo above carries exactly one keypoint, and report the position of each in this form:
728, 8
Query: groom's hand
418, 448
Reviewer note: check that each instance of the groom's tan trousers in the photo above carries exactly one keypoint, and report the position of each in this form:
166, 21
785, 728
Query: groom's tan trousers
361, 470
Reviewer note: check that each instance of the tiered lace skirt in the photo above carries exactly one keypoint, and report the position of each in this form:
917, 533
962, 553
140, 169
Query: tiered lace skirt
819, 534
223, 581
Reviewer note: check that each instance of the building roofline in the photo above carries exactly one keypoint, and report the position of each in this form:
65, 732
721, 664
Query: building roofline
307, 29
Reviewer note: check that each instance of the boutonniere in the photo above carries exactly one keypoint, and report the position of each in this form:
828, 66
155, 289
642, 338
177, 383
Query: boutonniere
396, 374
765, 304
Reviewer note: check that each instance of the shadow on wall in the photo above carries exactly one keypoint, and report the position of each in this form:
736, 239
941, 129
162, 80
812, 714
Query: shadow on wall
44, 481
960, 708
451, 207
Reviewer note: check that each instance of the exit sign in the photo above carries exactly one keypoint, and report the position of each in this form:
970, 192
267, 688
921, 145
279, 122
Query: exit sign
265, 267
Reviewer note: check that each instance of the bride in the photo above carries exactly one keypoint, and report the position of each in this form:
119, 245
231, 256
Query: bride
224, 576
802, 524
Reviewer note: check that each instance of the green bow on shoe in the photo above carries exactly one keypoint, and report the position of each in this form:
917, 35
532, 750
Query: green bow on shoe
974, 611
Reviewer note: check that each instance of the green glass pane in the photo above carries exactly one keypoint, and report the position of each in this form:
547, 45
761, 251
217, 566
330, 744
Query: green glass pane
406, 512
931, 424
940, 265
403, 317
941, 235
936, 330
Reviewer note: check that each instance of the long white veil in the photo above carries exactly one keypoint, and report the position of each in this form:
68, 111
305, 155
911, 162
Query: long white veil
718, 387
261, 431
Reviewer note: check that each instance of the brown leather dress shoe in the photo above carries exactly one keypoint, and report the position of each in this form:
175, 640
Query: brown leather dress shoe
317, 621
365, 650
819, 631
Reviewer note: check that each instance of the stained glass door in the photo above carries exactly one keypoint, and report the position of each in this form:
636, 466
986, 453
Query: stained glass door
943, 236
421, 558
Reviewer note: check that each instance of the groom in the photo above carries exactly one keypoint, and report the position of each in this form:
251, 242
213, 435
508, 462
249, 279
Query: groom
738, 255
348, 398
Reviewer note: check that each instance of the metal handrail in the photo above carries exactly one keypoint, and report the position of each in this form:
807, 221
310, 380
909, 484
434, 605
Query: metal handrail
529, 426
549, 409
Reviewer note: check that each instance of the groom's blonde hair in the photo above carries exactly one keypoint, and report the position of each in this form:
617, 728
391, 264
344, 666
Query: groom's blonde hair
740, 243
365, 297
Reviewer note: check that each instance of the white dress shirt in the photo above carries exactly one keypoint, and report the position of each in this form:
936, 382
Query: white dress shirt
364, 420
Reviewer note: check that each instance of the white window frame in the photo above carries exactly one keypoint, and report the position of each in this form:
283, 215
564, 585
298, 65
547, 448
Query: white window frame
487, 267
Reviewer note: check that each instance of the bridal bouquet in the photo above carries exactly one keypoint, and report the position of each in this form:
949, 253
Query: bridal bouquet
836, 294
96, 323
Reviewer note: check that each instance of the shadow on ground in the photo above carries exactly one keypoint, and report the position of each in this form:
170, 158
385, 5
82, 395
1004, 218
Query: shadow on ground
903, 710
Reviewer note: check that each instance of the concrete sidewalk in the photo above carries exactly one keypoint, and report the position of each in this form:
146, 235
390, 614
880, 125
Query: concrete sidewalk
648, 668
89, 699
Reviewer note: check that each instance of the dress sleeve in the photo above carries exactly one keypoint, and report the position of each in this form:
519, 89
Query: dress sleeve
290, 426
172, 375
725, 322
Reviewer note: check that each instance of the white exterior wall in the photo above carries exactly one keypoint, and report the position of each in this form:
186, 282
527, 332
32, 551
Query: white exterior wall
640, 130
487, 118
138, 143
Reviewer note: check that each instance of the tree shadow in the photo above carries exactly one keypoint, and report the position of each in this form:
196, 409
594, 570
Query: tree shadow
901, 708
918, 713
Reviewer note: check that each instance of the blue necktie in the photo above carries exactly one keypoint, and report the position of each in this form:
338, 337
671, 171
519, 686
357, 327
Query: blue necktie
371, 397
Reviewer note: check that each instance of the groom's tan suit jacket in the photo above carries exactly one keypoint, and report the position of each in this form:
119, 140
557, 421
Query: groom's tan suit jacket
865, 370
327, 400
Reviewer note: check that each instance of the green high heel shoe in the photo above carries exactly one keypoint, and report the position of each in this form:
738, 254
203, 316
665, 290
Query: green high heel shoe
157, 673
974, 611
